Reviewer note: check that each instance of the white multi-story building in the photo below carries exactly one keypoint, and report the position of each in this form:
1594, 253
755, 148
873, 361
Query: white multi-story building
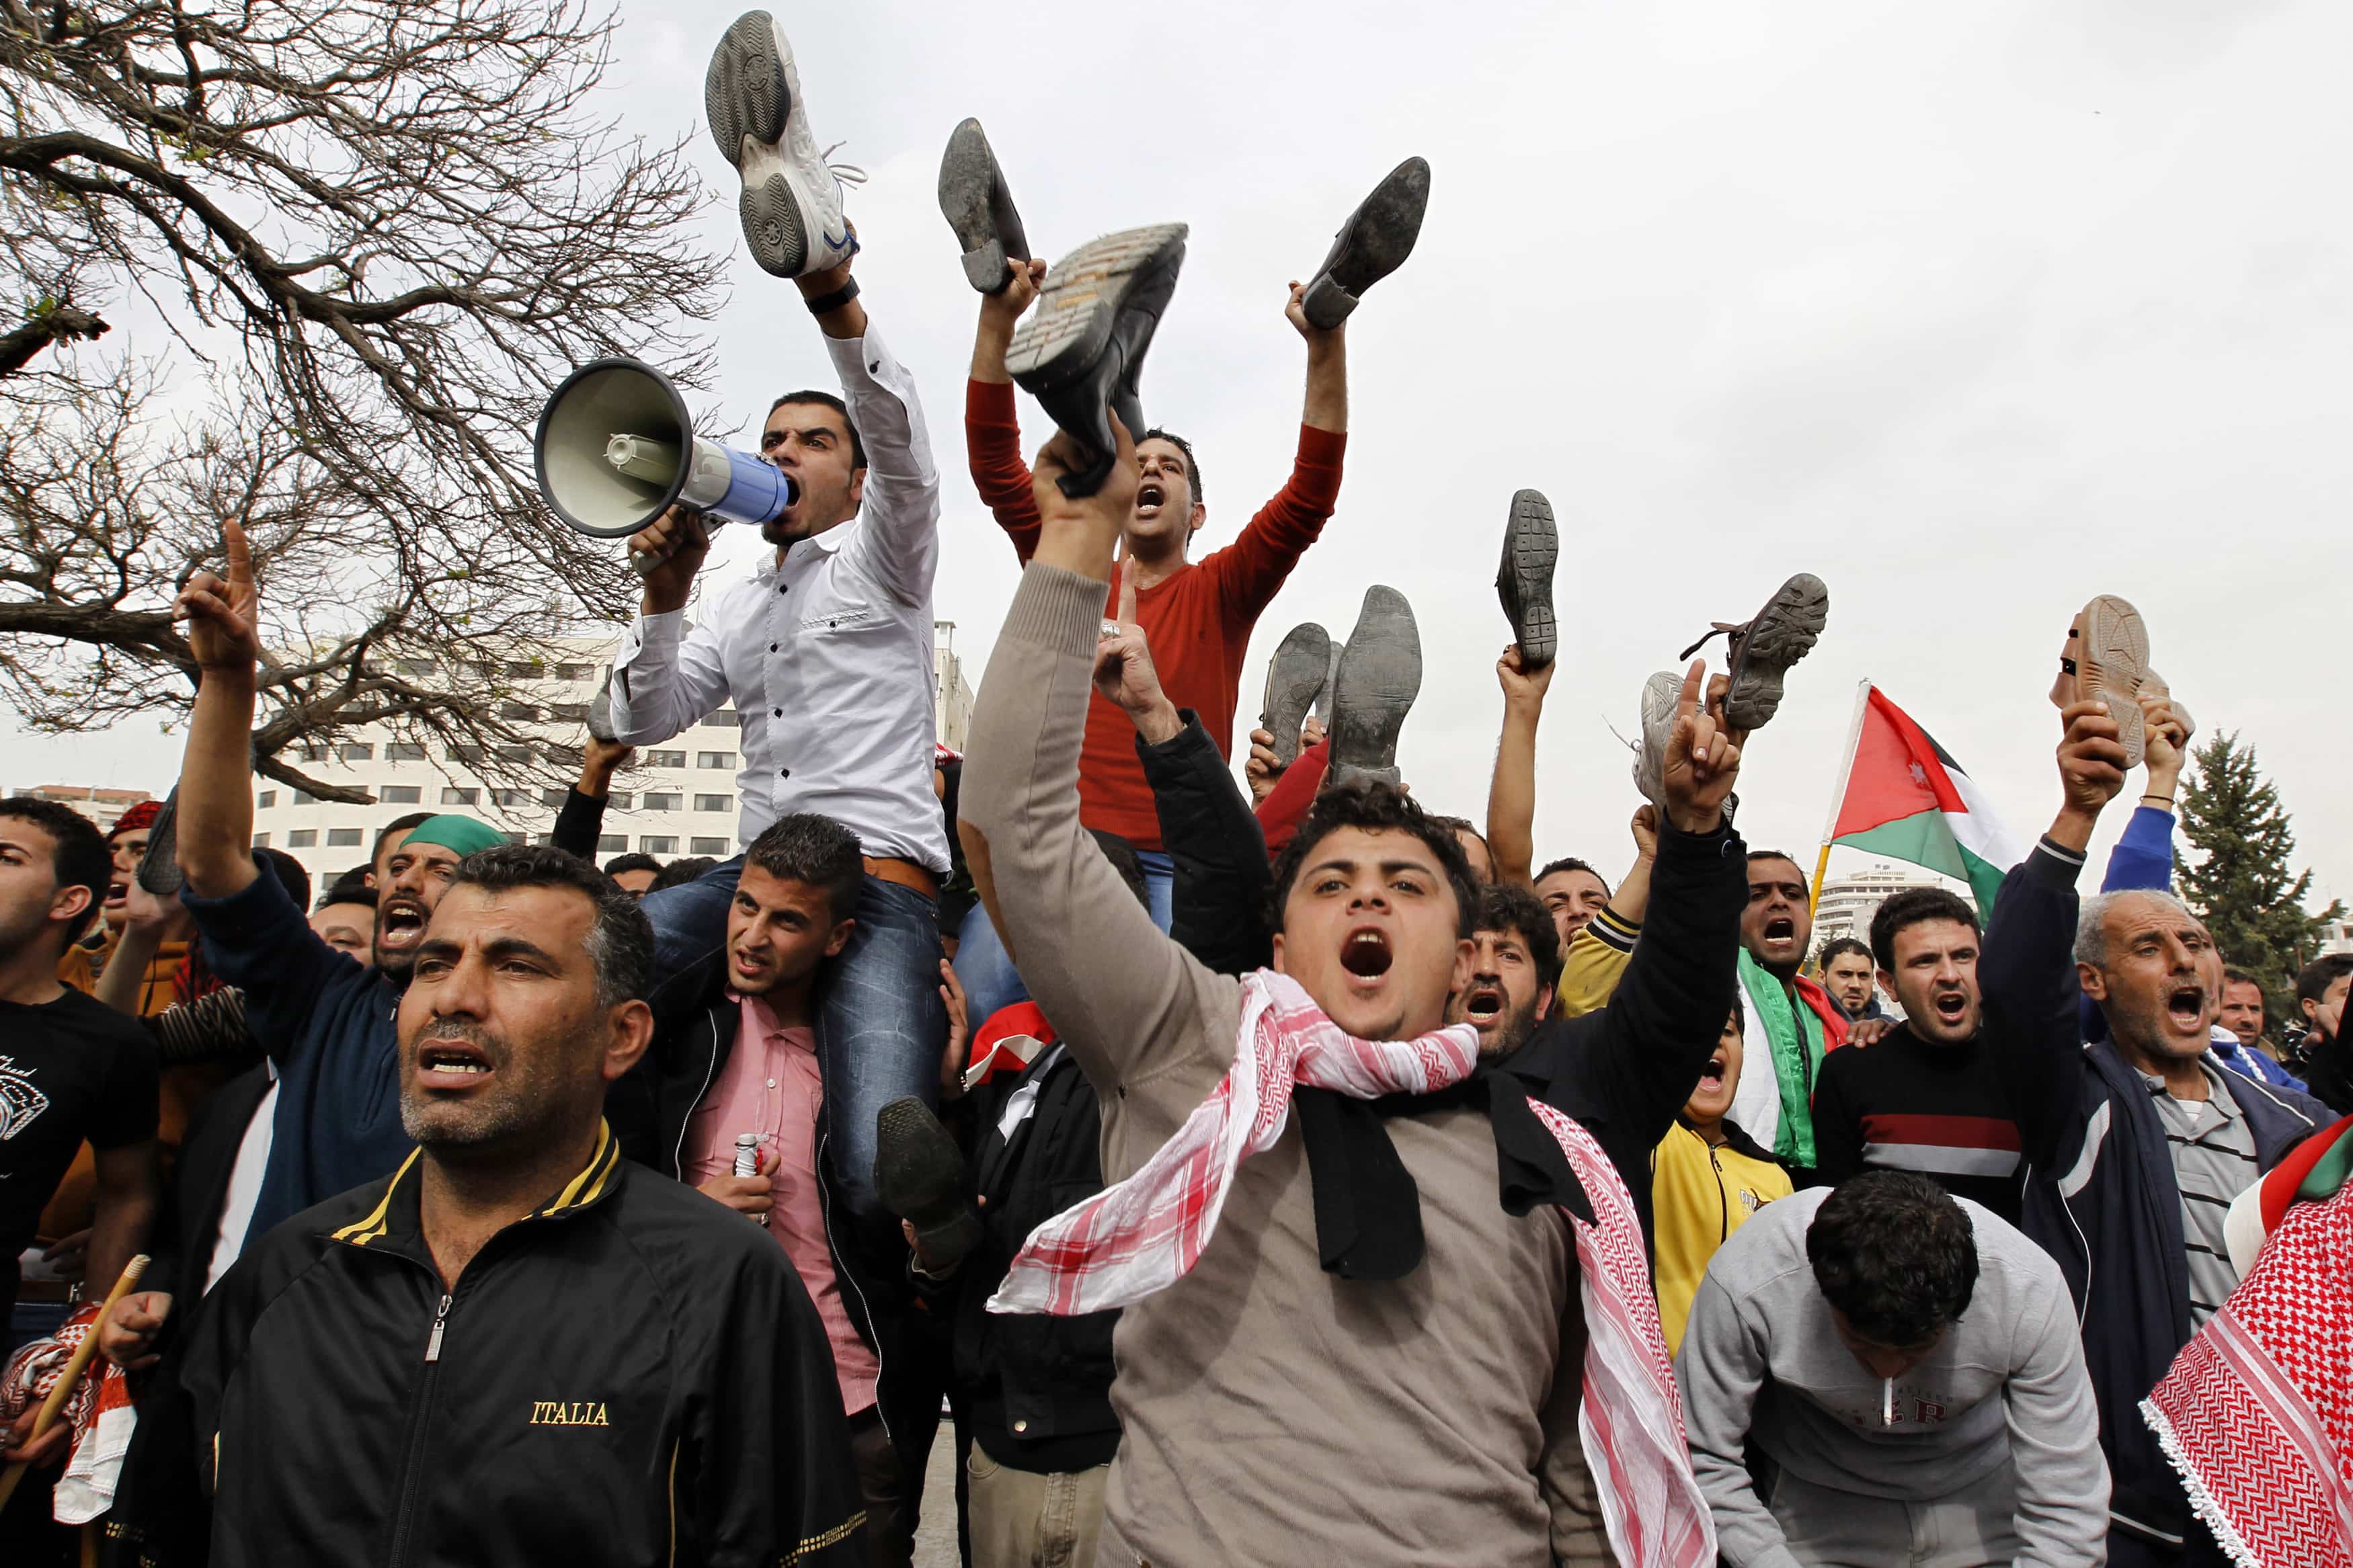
100, 804
1848, 902
677, 799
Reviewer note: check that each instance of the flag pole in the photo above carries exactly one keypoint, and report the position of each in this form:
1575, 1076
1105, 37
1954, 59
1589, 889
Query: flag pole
1838, 796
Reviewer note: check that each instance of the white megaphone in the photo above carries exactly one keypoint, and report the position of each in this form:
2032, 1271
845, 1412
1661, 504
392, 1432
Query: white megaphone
616, 449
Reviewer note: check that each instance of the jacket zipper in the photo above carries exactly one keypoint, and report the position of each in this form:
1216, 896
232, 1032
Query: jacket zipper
709, 1071
851, 1291
1722, 1207
419, 1425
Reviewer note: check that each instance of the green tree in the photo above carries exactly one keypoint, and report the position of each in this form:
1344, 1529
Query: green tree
2241, 885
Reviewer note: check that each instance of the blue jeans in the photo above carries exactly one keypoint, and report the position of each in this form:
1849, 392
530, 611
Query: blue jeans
986, 971
881, 1026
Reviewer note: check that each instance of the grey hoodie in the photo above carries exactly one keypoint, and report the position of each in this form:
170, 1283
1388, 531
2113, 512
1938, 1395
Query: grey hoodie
1762, 1361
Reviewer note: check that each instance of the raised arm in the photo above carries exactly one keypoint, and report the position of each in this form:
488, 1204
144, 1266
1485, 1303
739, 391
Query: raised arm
1093, 959
2027, 970
992, 435
581, 823
1512, 793
1253, 567
216, 826
1669, 1010
665, 676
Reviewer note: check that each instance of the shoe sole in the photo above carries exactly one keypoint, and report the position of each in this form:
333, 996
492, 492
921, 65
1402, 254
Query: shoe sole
1784, 632
159, 868
2111, 664
920, 1176
968, 178
1379, 678
1661, 694
1530, 548
1295, 677
748, 94
1373, 243
1058, 341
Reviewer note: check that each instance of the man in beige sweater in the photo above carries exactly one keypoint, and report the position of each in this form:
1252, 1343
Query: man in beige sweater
1272, 1408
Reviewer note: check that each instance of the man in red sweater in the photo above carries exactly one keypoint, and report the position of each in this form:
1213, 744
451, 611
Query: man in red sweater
1196, 615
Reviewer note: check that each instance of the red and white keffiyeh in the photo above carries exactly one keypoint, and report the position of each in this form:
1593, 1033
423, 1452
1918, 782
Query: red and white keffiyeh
1142, 1234
99, 1409
2257, 1411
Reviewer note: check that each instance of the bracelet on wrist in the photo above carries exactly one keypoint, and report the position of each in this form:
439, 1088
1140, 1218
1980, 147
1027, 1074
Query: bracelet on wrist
826, 304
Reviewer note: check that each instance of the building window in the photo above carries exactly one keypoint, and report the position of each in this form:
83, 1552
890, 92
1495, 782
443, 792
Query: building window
554, 797
511, 797
707, 846
573, 672
359, 752
665, 759
715, 760
518, 838
612, 843
465, 753
523, 710
314, 753
524, 669
659, 843
659, 800
515, 753
714, 802
400, 795
404, 751
422, 668
265, 800
302, 839
461, 797
619, 800
568, 713
262, 841
725, 718
304, 797
486, 672
342, 838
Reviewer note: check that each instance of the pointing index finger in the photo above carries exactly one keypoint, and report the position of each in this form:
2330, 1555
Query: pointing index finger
1128, 589
240, 556
1687, 699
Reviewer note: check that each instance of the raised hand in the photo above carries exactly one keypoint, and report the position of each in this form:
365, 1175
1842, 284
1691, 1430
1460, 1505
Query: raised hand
1701, 760
224, 615
1023, 279
2164, 745
1124, 671
2090, 761
1080, 535
1645, 828
1522, 689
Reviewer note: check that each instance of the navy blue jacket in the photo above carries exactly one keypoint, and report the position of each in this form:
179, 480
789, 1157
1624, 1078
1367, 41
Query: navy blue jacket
2100, 1191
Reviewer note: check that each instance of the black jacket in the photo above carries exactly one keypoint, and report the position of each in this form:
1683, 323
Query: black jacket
1035, 1387
649, 1108
631, 1375
187, 1222
2100, 1196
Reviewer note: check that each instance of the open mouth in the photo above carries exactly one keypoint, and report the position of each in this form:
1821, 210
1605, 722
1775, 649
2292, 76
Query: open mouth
452, 1064
1711, 1077
116, 892
1366, 953
2186, 1006
1952, 1006
400, 923
1149, 495
1482, 1005
1780, 927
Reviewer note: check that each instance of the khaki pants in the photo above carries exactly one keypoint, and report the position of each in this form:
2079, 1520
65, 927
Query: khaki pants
1023, 1519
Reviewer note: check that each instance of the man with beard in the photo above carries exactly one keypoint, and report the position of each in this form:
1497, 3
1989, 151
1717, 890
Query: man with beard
1792, 1022
516, 1347
2135, 1145
1515, 964
1405, 1276
1848, 974
1928, 1097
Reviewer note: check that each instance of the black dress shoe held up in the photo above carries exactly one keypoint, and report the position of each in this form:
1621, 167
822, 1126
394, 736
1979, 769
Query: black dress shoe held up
1373, 243
921, 1176
1531, 546
1296, 677
979, 208
1378, 678
1081, 352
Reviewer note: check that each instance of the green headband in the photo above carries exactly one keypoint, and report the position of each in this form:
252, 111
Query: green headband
462, 834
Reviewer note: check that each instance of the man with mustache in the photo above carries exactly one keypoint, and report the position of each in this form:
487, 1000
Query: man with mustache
1928, 1097
1515, 964
2135, 1144
1405, 1277
517, 1347
1792, 1022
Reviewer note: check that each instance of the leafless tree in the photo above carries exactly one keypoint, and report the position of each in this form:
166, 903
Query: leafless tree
376, 233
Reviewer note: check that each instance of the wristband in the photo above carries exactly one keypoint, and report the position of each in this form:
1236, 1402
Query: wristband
826, 304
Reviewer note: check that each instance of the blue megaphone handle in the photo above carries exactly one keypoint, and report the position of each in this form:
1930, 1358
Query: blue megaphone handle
757, 491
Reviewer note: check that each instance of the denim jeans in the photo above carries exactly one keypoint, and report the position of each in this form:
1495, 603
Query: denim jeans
882, 1026
985, 969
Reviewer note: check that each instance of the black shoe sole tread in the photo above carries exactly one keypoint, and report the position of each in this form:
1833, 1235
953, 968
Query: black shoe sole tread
1531, 550
1784, 632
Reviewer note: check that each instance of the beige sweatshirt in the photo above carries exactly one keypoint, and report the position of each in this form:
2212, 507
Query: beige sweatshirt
1274, 1413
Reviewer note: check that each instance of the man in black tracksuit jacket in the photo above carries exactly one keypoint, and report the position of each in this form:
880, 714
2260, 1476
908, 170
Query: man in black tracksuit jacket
625, 1373
2101, 1195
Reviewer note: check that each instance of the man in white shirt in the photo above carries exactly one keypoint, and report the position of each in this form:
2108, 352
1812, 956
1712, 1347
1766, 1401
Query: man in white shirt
826, 650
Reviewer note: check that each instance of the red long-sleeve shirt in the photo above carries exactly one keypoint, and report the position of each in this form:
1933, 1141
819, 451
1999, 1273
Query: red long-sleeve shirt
1197, 622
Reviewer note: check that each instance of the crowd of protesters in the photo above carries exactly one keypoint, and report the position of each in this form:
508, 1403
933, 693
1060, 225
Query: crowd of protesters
1260, 1171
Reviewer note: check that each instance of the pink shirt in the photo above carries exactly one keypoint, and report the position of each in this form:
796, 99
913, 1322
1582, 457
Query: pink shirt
771, 1087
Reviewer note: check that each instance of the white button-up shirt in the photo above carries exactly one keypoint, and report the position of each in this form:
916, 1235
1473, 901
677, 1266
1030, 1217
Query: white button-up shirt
828, 655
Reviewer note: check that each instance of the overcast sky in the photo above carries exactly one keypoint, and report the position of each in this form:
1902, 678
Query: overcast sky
1974, 311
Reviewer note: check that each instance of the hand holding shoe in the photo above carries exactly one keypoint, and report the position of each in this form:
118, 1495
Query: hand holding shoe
1522, 689
2091, 770
2163, 746
1001, 309
1701, 762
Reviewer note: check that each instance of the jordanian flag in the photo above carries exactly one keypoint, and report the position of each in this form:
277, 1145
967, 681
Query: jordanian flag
1907, 799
